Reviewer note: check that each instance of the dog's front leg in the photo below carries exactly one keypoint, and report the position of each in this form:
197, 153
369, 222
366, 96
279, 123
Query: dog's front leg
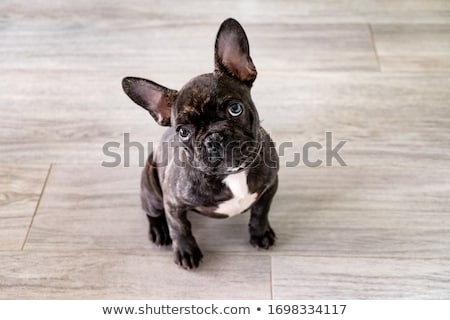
261, 234
186, 251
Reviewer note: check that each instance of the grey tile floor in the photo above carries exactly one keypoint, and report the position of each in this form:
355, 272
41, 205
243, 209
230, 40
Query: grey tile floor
374, 73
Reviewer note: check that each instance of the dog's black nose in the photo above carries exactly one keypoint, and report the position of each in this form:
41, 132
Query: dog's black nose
214, 149
213, 145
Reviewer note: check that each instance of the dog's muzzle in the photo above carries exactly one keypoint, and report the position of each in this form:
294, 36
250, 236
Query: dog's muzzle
213, 144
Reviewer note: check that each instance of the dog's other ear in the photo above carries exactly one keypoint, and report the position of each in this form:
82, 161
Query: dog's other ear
154, 98
232, 52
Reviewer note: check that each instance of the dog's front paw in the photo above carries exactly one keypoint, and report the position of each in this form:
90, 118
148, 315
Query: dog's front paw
188, 256
159, 231
264, 240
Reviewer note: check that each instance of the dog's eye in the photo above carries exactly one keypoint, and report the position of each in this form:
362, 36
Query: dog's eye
184, 133
235, 109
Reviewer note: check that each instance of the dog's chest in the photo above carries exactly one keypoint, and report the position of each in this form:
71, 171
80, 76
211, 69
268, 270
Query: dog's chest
241, 200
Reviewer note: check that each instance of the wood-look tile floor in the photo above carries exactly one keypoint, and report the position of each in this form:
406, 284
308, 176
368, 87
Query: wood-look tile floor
374, 73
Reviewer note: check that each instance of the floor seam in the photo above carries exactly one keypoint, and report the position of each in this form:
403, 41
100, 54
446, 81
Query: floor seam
37, 207
271, 277
374, 46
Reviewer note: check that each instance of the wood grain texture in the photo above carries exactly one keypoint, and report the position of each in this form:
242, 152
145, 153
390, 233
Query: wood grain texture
312, 47
90, 207
319, 211
394, 120
351, 211
20, 189
67, 86
398, 119
374, 73
354, 278
124, 275
413, 47
104, 13
363, 212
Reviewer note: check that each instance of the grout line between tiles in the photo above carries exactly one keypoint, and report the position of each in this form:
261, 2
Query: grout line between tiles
374, 46
37, 206
271, 277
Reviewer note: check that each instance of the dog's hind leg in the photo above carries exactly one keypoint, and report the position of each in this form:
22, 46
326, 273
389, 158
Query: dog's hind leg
152, 204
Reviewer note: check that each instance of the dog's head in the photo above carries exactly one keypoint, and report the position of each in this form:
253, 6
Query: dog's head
213, 114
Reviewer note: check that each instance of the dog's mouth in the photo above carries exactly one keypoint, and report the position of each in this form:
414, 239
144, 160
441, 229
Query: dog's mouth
230, 158
242, 157
233, 170
246, 163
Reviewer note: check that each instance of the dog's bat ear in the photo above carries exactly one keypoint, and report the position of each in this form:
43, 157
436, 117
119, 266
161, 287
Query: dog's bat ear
232, 52
154, 98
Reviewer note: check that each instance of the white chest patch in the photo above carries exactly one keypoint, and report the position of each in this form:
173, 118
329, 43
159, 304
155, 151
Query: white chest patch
241, 199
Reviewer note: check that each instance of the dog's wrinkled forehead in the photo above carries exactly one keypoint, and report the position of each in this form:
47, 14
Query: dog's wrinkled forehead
196, 95
204, 95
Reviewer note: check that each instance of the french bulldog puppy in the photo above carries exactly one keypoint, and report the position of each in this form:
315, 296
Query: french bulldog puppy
215, 158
